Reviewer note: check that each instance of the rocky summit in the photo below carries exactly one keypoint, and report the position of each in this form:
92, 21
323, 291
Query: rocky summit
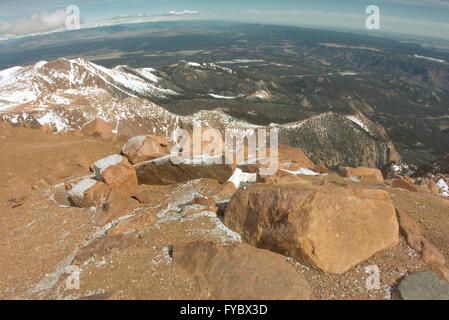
122, 175
156, 230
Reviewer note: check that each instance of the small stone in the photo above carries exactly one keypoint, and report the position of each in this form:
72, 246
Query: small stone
423, 286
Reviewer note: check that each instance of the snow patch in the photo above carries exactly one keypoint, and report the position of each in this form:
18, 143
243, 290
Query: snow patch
7, 74
239, 177
444, 188
358, 122
81, 187
55, 120
217, 96
348, 73
194, 64
220, 230
303, 171
148, 74
105, 163
236, 61
430, 59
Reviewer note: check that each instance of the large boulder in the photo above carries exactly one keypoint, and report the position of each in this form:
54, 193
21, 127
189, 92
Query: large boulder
118, 174
163, 171
97, 127
142, 148
89, 193
240, 271
370, 175
330, 227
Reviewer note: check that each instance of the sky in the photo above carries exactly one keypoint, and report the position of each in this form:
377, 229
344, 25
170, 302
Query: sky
423, 18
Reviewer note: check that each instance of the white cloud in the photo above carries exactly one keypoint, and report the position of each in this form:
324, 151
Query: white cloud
42, 21
182, 13
424, 3
4, 26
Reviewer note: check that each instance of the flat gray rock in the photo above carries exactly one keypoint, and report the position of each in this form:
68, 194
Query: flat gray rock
423, 286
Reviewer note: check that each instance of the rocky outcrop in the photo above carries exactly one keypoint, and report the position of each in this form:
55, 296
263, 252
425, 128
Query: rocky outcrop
331, 228
240, 272
142, 148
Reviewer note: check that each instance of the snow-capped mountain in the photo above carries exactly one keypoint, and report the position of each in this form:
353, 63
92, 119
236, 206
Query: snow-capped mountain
63, 82
68, 93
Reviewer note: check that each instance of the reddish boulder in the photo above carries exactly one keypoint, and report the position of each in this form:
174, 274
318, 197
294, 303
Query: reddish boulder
118, 174
142, 148
332, 228
370, 175
89, 193
163, 171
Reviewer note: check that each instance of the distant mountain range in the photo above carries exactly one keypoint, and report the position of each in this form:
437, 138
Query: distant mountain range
68, 93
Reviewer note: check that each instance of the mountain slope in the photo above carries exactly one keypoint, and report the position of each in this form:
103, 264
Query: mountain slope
337, 140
